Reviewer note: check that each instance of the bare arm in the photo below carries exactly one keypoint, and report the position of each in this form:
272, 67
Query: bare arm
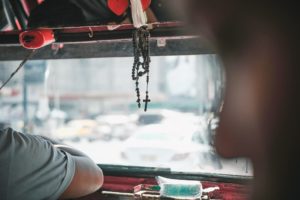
88, 177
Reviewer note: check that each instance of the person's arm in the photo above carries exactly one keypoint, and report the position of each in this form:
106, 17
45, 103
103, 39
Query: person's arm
88, 177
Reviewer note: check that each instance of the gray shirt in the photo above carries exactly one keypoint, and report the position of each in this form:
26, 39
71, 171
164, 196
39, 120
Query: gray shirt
31, 168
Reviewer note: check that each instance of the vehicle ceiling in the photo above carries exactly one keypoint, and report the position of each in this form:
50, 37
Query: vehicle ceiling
74, 21
22, 14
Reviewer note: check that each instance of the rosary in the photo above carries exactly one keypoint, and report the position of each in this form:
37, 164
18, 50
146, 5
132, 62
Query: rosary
140, 68
140, 39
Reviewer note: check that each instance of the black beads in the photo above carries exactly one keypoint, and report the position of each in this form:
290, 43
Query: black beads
141, 64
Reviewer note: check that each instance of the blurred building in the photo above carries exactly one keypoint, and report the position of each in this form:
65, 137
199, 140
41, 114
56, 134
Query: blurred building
88, 87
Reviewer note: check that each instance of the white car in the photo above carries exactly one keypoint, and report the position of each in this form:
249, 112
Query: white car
167, 145
157, 116
121, 125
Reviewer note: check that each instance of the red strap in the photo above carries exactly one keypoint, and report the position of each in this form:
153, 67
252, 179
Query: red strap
120, 6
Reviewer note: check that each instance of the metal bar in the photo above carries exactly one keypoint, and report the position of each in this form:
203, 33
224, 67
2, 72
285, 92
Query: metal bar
174, 46
19, 13
117, 35
79, 42
102, 33
149, 172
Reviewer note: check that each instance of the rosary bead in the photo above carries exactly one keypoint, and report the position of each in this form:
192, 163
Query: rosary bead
140, 39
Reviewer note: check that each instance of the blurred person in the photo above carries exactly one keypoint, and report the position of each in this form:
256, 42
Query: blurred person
35, 167
258, 44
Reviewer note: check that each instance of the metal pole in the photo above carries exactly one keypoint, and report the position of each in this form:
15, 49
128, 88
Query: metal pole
25, 102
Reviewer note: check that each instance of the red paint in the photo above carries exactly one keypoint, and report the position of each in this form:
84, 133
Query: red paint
26, 7
18, 24
35, 39
100, 28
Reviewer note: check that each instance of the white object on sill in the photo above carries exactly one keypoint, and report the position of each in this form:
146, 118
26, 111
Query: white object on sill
139, 17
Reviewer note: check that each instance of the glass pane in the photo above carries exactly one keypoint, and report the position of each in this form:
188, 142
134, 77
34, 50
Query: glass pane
90, 104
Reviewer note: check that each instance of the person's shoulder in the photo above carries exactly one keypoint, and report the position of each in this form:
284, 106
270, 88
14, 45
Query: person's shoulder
11, 141
13, 137
7, 132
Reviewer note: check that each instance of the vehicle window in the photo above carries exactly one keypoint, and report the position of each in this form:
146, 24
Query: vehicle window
91, 105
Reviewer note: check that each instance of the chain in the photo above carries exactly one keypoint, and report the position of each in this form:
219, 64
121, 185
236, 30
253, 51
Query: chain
141, 50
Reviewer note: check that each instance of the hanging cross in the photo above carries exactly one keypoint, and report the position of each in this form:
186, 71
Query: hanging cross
146, 101
141, 51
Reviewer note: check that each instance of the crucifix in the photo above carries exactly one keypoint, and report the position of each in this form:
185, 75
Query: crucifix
141, 50
146, 101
